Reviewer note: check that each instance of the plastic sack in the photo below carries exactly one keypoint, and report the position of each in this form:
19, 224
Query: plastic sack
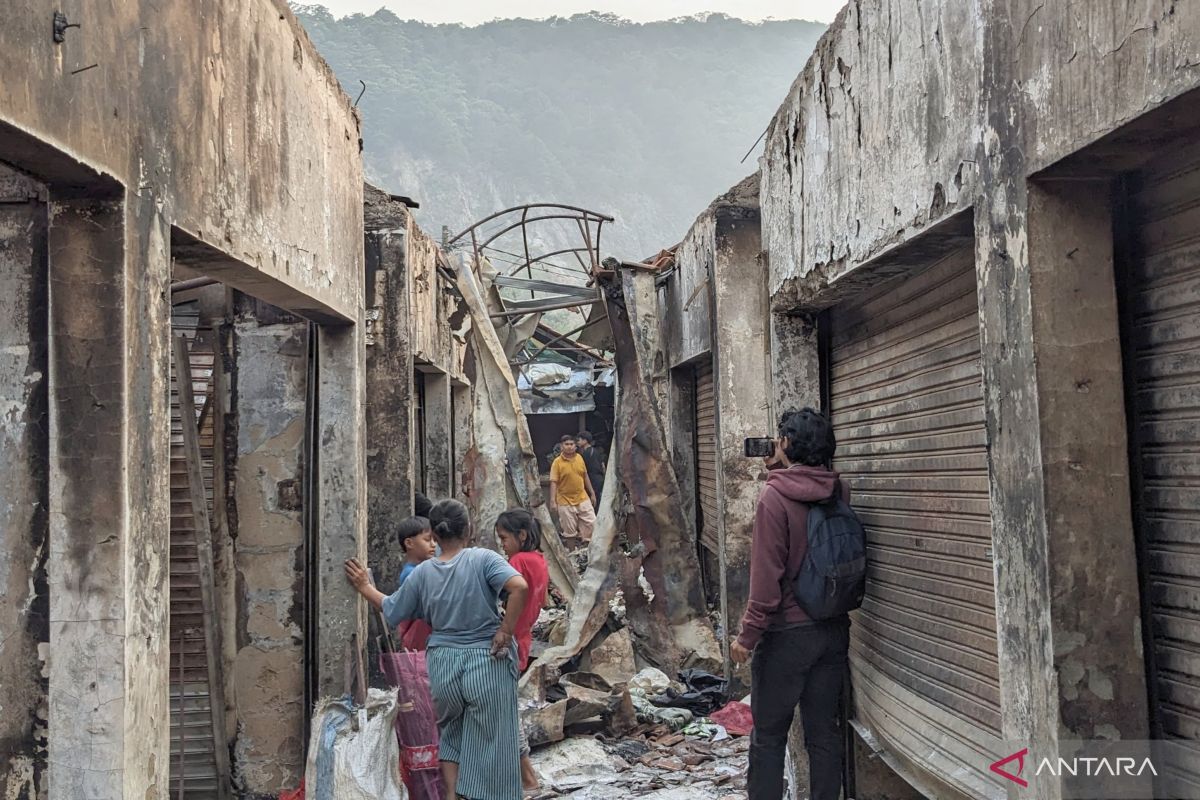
651, 681
416, 723
353, 753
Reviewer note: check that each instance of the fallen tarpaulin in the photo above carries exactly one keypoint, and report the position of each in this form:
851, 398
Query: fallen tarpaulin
502, 468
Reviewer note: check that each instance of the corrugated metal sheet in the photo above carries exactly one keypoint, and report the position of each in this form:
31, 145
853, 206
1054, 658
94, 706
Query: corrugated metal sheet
907, 407
706, 456
1163, 355
191, 703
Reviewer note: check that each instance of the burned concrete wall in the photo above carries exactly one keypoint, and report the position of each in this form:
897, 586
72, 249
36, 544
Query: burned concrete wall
875, 140
438, 314
416, 326
390, 480
713, 307
267, 673
909, 113
24, 502
213, 133
686, 300
224, 110
414, 366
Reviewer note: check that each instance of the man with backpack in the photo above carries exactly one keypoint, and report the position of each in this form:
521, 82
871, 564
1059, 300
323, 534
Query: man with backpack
807, 571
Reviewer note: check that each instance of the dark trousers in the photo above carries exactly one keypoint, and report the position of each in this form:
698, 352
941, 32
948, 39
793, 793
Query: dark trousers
806, 667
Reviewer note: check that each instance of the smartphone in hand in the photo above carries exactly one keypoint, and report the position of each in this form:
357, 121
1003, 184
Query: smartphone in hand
758, 447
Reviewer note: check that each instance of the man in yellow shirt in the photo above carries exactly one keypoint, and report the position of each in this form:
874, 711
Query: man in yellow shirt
572, 494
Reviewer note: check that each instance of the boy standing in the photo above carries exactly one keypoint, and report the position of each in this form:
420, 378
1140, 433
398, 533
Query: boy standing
572, 494
418, 544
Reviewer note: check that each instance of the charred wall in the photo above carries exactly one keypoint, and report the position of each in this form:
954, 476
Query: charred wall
24, 504
390, 366
1022, 114
211, 133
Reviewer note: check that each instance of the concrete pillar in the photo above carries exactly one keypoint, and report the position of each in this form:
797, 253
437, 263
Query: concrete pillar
461, 408
1095, 614
342, 497
438, 433
795, 365
24, 509
268, 404
389, 387
1028, 694
109, 457
743, 388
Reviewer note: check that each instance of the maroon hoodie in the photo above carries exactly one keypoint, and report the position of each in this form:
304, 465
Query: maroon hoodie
779, 546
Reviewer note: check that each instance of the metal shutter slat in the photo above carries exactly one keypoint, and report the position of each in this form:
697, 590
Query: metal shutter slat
706, 456
1163, 349
907, 407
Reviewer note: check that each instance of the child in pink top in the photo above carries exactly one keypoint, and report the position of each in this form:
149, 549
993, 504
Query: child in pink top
521, 537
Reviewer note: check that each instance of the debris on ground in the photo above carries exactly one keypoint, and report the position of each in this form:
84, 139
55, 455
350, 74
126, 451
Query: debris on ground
613, 658
650, 762
650, 681
736, 717
703, 694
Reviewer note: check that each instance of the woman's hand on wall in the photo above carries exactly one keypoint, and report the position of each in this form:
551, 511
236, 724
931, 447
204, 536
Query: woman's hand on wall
357, 574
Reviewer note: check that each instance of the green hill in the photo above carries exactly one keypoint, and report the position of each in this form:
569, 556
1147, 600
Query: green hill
647, 122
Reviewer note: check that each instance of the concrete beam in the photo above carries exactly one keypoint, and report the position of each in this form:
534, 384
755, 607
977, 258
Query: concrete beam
108, 705
195, 255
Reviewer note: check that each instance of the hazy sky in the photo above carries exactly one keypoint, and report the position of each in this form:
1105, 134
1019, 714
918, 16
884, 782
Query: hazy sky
472, 12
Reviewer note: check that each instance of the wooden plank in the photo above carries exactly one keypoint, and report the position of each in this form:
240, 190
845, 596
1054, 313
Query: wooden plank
203, 534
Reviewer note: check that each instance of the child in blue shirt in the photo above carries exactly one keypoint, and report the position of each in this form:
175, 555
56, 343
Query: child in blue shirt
418, 544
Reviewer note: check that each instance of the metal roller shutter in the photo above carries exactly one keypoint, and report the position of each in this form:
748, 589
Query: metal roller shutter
906, 396
706, 456
1163, 364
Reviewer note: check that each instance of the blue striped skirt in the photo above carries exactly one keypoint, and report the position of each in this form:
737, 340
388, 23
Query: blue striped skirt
476, 699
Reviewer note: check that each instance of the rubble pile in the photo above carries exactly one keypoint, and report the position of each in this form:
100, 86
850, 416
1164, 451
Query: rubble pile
650, 761
602, 728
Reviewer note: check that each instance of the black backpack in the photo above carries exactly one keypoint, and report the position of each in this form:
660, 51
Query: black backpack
833, 577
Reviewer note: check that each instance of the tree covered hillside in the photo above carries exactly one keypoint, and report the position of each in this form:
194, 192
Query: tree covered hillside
646, 122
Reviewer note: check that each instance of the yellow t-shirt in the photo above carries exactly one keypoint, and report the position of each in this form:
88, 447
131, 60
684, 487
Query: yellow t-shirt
569, 475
